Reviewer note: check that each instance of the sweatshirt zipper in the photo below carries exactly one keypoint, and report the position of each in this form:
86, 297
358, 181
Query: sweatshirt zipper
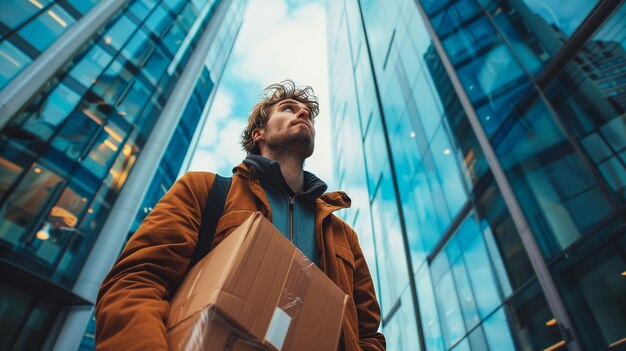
291, 202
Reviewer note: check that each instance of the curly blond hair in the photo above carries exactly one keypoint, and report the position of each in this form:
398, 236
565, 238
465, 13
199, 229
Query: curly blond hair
272, 95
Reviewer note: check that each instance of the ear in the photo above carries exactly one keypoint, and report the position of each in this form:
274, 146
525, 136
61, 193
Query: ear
258, 134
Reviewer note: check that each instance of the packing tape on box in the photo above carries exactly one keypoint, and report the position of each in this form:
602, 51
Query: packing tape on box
290, 302
200, 332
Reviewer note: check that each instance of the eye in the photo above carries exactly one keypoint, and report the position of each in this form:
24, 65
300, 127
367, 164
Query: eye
287, 108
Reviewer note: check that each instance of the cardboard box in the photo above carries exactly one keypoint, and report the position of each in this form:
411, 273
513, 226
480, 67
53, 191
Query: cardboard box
208, 330
262, 289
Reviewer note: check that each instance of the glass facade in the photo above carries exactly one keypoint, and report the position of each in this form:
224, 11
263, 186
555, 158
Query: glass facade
28, 28
67, 154
453, 104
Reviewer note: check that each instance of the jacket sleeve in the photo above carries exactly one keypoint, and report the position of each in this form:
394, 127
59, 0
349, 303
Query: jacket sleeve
368, 309
133, 302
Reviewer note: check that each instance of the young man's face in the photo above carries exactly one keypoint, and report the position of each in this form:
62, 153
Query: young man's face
290, 129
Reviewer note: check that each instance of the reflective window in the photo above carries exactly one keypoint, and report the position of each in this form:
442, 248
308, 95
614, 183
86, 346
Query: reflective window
117, 35
466, 282
551, 181
174, 5
422, 199
106, 146
448, 305
531, 39
15, 12
12, 61
428, 107
83, 6
90, 66
47, 27
566, 16
158, 21
60, 225
590, 97
89, 126
392, 262
428, 310
440, 207
494, 82
511, 264
76, 132
173, 38
497, 332
44, 118
13, 160
24, 204
155, 66
141, 8
113, 83
400, 329
448, 171
25, 320
138, 48
188, 15
592, 279
492, 334
531, 322
31, 27
395, 91
491, 75
377, 16
375, 155
135, 99
478, 265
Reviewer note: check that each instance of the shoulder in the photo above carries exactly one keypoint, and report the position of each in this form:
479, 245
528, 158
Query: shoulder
198, 175
197, 179
194, 184
342, 230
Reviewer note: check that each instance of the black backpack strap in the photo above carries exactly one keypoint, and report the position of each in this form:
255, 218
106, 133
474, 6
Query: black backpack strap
211, 214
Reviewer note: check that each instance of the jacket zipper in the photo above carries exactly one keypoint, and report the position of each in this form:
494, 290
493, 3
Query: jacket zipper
291, 203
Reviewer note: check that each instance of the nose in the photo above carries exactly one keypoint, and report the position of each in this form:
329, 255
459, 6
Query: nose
303, 113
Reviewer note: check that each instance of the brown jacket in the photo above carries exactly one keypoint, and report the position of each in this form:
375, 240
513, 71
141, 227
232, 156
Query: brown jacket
133, 302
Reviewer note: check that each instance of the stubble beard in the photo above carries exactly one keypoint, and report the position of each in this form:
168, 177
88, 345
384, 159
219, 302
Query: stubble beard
298, 144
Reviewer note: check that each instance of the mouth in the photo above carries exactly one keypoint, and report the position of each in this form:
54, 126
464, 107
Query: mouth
304, 123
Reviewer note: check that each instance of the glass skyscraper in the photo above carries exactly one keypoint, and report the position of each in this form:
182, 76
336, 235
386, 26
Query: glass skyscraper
100, 102
483, 143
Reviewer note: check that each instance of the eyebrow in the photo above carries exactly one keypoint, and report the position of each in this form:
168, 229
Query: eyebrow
293, 102
284, 102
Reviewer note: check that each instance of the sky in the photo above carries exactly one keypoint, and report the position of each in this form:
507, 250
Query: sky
279, 39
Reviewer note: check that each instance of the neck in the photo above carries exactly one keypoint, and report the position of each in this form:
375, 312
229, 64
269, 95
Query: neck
291, 168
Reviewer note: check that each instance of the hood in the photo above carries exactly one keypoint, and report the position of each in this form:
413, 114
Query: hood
269, 174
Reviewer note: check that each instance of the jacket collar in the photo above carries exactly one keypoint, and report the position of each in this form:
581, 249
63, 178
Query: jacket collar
269, 174
256, 167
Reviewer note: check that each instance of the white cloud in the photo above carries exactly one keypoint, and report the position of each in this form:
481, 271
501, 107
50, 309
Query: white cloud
221, 111
220, 150
229, 140
274, 44
222, 107
204, 160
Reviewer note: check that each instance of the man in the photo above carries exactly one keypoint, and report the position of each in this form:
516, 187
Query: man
132, 307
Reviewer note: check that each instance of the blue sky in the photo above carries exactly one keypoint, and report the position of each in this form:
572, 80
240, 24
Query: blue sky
279, 39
